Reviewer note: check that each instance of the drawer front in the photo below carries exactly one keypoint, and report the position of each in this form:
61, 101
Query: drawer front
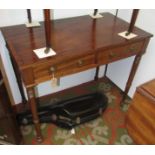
118, 53
43, 73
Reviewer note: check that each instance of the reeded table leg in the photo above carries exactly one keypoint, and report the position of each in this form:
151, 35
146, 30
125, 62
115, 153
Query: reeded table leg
131, 76
32, 103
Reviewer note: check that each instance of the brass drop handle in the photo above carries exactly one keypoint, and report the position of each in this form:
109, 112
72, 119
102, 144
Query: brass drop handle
131, 49
80, 62
112, 54
53, 69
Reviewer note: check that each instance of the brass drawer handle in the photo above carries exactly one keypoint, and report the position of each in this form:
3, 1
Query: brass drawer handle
112, 55
53, 69
131, 49
80, 62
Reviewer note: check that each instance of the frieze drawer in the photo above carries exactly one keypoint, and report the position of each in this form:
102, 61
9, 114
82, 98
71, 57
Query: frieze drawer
117, 53
43, 73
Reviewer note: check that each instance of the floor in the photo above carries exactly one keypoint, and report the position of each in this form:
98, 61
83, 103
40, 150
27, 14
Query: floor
107, 129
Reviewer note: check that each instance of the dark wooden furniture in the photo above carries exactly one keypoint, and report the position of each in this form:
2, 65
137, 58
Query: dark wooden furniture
141, 114
9, 130
80, 43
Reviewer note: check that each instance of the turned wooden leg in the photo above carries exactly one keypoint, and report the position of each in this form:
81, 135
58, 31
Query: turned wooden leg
131, 76
32, 103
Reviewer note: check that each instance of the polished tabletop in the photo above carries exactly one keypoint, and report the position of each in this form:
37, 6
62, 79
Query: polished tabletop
69, 38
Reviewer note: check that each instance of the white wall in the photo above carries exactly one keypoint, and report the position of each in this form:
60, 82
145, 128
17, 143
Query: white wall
19, 16
117, 71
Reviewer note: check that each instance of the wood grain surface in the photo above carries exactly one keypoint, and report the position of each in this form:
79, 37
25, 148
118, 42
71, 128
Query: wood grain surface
141, 115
